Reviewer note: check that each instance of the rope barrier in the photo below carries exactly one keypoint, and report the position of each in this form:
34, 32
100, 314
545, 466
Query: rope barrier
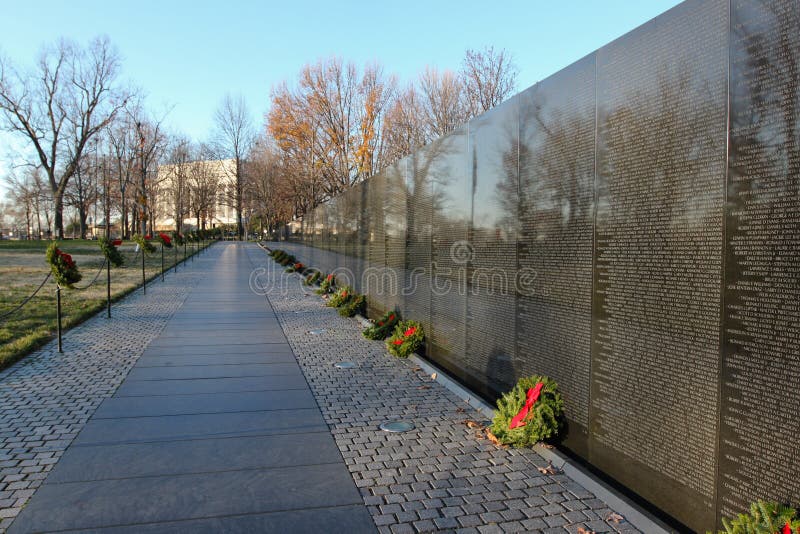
95, 278
26, 300
134, 256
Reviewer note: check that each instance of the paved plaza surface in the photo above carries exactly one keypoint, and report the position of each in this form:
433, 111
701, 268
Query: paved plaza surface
205, 406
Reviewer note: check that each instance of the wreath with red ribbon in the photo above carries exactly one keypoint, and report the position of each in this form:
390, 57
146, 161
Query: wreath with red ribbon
166, 240
407, 338
383, 326
63, 267
109, 249
529, 413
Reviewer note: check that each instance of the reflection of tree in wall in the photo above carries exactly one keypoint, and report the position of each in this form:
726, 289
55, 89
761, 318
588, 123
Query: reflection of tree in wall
421, 196
767, 108
558, 176
507, 189
764, 207
671, 137
446, 173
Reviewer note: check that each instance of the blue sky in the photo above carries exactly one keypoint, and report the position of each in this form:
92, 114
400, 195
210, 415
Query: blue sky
187, 54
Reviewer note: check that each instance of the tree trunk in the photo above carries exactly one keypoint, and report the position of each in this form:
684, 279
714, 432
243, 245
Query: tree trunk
82, 219
38, 221
58, 209
28, 221
124, 222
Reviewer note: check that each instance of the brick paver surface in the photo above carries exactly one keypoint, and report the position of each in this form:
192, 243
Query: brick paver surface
440, 476
46, 399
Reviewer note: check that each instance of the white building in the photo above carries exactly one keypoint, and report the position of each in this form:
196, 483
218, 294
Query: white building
209, 184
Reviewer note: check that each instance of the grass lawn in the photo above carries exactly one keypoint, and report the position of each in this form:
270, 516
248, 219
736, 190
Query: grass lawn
22, 269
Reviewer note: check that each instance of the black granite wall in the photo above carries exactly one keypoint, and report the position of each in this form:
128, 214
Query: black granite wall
629, 226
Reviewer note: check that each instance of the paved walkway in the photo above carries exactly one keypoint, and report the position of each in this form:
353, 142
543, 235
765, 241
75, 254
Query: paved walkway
439, 476
46, 399
205, 407
213, 430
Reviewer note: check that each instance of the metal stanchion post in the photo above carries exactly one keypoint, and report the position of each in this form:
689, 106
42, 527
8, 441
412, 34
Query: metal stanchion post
58, 317
108, 289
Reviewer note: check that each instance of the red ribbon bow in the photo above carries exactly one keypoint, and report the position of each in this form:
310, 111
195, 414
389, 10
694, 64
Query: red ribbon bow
117, 242
787, 529
532, 396
66, 257
410, 331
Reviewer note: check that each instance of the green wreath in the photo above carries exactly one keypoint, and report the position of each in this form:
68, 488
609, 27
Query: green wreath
541, 420
764, 518
144, 244
110, 251
341, 297
166, 241
327, 285
353, 306
63, 267
382, 327
312, 278
408, 336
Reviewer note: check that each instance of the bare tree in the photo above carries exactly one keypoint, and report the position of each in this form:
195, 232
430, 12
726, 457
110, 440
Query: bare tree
443, 103
122, 143
176, 180
29, 193
81, 193
150, 146
404, 126
489, 78
203, 184
60, 106
22, 196
233, 139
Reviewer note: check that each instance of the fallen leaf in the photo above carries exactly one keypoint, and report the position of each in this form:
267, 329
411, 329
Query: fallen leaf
416, 369
433, 376
424, 387
472, 424
546, 446
550, 469
460, 410
614, 517
491, 437
582, 530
